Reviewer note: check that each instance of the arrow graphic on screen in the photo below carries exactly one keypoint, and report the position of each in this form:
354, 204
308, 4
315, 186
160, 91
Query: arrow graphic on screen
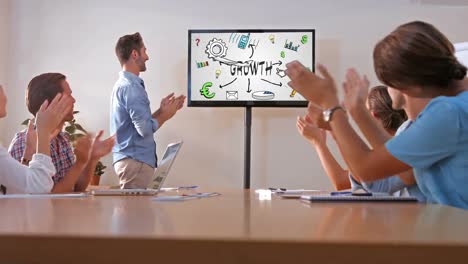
279, 63
229, 83
277, 84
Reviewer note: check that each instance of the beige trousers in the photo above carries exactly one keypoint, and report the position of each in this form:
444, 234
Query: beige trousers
133, 174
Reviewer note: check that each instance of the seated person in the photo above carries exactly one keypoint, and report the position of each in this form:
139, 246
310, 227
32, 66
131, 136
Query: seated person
73, 175
379, 105
376, 136
417, 60
37, 178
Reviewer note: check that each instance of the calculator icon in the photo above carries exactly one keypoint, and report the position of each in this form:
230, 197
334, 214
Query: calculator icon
244, 40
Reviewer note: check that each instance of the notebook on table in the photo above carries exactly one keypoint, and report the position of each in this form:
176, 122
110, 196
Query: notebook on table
356, 198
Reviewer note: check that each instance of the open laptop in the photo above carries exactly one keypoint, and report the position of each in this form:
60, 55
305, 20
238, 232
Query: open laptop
160, 175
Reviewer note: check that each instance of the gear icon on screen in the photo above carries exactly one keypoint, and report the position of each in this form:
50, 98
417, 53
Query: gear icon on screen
216, 48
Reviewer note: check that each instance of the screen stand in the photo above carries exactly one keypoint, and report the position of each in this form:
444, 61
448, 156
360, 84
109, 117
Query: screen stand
247, 145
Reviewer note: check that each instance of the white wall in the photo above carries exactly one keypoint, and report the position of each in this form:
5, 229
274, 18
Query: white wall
4, 32
77, 38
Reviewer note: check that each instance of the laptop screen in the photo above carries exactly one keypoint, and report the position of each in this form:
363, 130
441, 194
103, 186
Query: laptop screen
170, 152
165, 165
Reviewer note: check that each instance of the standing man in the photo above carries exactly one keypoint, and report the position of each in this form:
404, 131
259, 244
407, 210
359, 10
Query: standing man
131, 118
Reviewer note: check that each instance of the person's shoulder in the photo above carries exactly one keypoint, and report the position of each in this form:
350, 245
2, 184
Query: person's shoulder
459, 98
448, 104
18, 142
20, 136
403, 126
63, 136
63, 139
128, 88
122, 85
448, 112
127, 80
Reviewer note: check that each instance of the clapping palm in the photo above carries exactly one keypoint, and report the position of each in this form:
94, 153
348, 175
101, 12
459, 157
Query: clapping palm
355, 90
100, 148
309, 130
316, 89
170, 105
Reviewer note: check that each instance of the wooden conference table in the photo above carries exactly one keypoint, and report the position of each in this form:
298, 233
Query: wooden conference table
236, 227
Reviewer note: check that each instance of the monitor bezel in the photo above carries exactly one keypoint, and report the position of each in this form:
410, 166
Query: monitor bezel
252, 103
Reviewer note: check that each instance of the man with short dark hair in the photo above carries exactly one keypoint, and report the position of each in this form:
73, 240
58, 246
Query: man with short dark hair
73, 174
37, 177
131, 118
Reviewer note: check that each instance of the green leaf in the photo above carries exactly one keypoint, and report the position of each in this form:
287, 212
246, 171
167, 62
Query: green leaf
25, 122
80, 128
99, 169
70, 129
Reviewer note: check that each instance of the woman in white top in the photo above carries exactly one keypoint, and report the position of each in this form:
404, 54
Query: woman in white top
37, 178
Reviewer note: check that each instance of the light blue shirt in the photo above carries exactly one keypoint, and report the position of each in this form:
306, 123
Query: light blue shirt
393, 184
436, 146
131, 121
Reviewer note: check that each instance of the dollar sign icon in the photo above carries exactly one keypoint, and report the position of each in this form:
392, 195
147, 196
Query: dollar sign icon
304, 39
205, 91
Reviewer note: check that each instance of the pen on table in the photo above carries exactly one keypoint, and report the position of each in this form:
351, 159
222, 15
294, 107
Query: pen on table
187, 187
201, 195
362, 194
340, 193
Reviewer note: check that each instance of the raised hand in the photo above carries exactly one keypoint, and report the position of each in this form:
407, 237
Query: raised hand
180, 101
51, 115
82, 149
100, 148
169, 106
166, 100
355, 90
309, 130
319, 90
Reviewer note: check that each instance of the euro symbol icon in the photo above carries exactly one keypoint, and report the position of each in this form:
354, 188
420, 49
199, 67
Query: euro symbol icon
205, 91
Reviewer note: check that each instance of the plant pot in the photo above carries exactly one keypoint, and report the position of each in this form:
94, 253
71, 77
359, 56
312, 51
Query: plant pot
95, 180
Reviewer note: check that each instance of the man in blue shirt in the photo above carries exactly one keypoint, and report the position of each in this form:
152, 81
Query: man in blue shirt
131, 118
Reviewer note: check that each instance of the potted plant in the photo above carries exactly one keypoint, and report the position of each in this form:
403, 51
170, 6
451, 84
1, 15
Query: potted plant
97, 173
75, 131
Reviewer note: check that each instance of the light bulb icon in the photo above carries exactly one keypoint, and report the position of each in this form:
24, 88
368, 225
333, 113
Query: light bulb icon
272, 39
217, 72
